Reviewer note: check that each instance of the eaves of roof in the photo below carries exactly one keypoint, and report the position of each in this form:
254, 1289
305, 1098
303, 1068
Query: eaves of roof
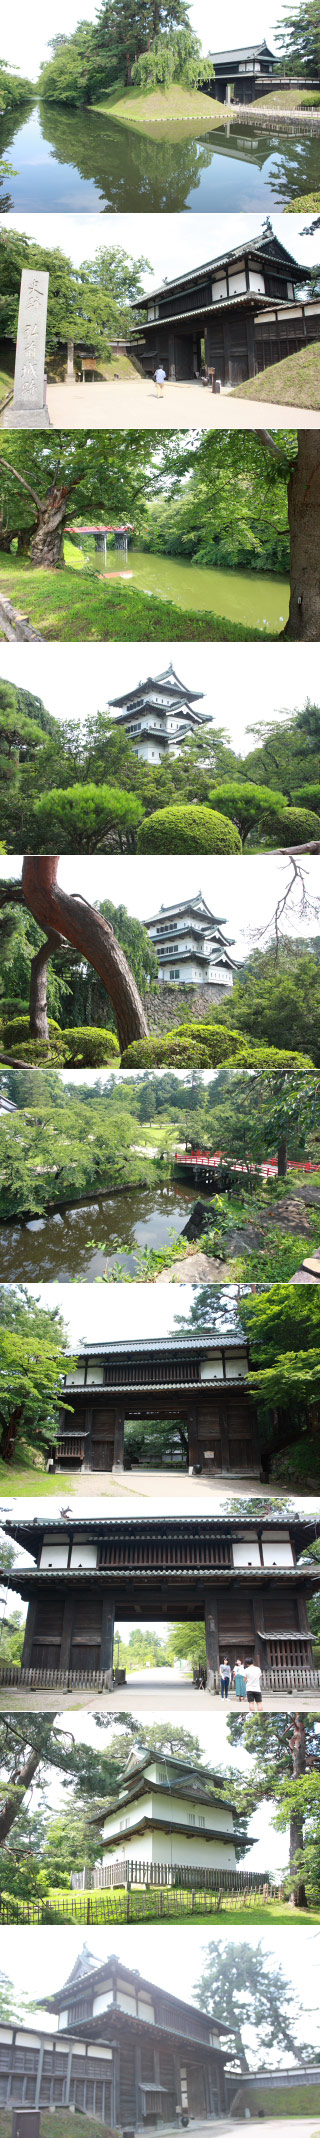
223, 259
222, 304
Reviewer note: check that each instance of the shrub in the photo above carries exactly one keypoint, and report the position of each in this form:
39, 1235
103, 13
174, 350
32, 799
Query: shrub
82, 817
246, 803
308, 797
295, 827
188, 828
89, 1044
17, 1030
206, 1046
13, 1006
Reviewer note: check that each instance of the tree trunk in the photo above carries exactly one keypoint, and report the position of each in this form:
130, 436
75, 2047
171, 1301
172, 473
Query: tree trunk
39, 1028
299, 1761
91, 935
304, 526
23, 543
12, 1807
282, 1158
9, 1435
47, 540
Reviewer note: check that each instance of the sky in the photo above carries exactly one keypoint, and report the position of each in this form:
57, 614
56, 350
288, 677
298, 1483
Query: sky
242, 891
26, 33
38, 1963
92, 1314
241, 691
171, 244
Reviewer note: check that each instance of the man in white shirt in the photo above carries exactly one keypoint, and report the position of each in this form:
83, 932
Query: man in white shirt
160, 379
253, 1676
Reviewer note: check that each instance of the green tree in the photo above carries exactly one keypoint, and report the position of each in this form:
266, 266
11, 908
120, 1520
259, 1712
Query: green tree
285, 1751
243, 1988
33, 1351
175, 57
187, 1644
277, 993
90, 818
298, 35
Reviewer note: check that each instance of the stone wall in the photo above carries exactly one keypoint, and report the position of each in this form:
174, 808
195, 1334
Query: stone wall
168, 1006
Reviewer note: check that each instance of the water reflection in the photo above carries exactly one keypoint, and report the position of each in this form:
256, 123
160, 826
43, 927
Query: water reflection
68, 160
66, 1246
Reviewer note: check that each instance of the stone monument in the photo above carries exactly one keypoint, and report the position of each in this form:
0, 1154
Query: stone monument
28, 410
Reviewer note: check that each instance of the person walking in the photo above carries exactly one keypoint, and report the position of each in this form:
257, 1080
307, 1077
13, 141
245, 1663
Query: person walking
160, 379
253, 1683
239, 1680
225, 1675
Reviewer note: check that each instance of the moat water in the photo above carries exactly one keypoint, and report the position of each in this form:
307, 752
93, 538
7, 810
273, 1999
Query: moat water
67, 160
66, 1246
253, 599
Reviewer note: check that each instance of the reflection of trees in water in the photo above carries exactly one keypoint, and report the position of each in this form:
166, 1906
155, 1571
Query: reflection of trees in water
129, 168
295, 162
10, 125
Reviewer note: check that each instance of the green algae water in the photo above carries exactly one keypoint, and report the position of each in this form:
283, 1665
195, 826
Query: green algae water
248, 598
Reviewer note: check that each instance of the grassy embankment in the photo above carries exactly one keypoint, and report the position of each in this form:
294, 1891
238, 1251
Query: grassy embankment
19, 1482
281, 2101
295, 381
65, 2125
175, 107
71, 604
286, 100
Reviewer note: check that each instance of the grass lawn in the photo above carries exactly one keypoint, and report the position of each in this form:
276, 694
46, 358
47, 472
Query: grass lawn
285, 100
164, 107
24, 1483
296, 381
70, 604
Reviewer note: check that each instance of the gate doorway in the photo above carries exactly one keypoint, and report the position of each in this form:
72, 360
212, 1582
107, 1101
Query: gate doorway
156, 1443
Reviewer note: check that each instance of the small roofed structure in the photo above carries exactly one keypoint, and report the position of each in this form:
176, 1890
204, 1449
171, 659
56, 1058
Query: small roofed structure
170, 1811
240, 71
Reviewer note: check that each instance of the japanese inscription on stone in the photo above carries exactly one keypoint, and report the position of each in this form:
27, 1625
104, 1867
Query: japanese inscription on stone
31, 341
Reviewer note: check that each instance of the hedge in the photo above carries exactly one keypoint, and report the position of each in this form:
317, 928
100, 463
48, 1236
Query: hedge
207, 1046
188, 828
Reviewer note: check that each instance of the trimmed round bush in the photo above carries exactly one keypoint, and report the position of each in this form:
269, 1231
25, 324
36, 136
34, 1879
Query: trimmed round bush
16, 1029
188, 828
294, 827
206, 1046
89, 1045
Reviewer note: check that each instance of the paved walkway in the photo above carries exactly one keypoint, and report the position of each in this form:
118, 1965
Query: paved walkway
166, 1485
146, 1698
134, 405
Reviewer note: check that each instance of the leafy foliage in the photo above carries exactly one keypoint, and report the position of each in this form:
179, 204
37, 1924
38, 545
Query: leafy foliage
33, 1348
187, 830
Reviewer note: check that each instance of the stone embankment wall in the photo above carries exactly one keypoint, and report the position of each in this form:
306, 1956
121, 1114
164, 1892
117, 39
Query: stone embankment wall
168, 1006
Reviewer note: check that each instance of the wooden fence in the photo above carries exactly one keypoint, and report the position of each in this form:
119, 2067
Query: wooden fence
300, 1677
204, 1878
130, 1904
